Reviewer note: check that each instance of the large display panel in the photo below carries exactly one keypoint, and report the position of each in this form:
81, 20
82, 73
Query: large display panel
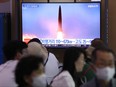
61, 24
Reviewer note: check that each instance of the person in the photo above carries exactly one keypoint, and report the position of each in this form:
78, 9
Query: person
104, 63
73, 64
95, 43
51, 64
30, 72
88, 72
13, 52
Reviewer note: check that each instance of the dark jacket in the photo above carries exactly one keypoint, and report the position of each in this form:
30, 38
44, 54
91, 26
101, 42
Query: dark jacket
94, 83
88, 71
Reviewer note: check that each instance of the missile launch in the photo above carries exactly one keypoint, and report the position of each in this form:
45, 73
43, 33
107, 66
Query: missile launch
60, 32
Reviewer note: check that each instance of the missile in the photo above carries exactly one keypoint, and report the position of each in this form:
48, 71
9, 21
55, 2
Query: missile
59, 32
60, 20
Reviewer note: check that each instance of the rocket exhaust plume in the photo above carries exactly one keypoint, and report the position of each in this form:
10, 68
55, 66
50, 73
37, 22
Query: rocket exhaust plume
59, 32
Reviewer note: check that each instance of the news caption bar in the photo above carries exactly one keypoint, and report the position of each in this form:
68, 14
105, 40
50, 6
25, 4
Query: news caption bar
66, 41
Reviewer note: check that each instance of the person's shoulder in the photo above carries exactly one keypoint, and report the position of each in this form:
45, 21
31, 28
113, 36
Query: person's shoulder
9, 65
51, 54
63, 77
10, 62
52, 57
2, 65
65, 74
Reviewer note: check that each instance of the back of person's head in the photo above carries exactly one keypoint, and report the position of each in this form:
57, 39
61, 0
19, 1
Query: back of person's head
97, 42
101, 49
11, 48
89, 51
35, 40
25, 67
39, 42
71, 55
36, 49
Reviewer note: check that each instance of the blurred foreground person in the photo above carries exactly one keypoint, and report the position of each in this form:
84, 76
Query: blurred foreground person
13, 52
30, 72
51, 64
104, 63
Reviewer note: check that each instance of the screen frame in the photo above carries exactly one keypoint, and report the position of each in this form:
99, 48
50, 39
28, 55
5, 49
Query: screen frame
59, 46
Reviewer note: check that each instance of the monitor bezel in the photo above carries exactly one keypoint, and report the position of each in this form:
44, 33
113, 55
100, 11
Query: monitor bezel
58, 46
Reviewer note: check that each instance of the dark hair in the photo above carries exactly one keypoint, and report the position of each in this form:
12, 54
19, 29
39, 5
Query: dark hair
103, 49
11, 48
35, 40
97, 42
25, 67
70, 56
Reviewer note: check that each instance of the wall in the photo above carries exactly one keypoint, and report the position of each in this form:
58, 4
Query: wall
112, 24
5, 6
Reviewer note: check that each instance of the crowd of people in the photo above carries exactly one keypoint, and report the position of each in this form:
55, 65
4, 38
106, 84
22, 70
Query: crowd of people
32, 65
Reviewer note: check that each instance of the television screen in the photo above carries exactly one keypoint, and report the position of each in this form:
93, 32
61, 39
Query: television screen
61, 24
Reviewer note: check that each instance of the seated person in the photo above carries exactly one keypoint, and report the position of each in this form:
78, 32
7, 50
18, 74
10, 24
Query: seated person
51, 63
73, 64
13, 52
29, 72
104, 63
96, 43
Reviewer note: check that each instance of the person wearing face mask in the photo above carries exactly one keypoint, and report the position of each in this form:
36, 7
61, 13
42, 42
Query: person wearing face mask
29, 72
104, 63
73, 64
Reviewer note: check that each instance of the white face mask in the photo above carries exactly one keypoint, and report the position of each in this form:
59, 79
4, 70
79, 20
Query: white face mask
40, 81
106, 73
